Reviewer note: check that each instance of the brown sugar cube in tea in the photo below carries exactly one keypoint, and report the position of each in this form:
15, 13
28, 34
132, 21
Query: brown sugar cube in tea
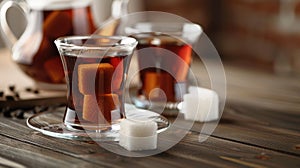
87, 78
92, 111
95, 78
98, 108
163, 81
54, 69
58, 23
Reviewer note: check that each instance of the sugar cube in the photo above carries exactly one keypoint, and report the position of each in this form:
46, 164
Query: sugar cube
131, 143
200, 105
95, 78
98, 108
138, 128
137, 135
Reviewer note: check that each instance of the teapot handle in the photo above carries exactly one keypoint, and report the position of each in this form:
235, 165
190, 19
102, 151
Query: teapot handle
9, 37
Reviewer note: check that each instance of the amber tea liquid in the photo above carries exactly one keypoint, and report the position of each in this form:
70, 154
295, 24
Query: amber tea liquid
39, 57
164, 64
95, 89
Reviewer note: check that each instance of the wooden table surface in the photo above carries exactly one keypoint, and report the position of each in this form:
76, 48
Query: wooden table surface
260, 127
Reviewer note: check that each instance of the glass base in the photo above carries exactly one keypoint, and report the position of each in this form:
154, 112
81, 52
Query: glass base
50, 123
169, 108
140, 101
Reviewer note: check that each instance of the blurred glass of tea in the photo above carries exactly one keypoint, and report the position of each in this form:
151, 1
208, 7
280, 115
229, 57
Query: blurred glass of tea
164, 56
35, 51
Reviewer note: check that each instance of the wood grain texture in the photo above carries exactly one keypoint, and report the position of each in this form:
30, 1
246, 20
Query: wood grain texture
29, 155
247, 127
215, 152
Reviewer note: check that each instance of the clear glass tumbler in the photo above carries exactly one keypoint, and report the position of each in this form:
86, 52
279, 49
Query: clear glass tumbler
95, 69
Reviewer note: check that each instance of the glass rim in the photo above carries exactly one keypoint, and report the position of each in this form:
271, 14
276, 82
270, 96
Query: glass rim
170, 28
123, 41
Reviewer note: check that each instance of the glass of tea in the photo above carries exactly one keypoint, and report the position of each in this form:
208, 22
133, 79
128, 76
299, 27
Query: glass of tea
164, 54
34, 52
95, 69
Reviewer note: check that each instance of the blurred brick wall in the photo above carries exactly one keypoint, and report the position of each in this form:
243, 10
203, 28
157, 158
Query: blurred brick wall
247, 32
260, 34
198, 11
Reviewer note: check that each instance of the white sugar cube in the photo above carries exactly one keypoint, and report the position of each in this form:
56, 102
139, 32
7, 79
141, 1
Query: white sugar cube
131, 143
200, 105
138, 128
136, 135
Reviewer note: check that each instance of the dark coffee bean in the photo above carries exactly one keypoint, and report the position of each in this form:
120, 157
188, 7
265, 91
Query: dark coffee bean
12, 88
10, 98
28, 89
17, 95
36, 91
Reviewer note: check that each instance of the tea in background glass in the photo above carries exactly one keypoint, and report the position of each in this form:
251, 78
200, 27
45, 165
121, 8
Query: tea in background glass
164, 56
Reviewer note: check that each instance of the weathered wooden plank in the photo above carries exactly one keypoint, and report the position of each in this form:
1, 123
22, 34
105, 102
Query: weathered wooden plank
88, 151
274, 119
218, 151
17, 129
27, 155
270, 132
9, 163
215, 152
